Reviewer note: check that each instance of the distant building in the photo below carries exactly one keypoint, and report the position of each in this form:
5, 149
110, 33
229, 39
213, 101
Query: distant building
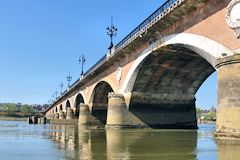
208, 114
18, 107
38, 107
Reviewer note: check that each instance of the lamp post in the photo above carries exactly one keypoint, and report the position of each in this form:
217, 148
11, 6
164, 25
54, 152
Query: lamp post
111, 31
69, 78
82, 61
61, 87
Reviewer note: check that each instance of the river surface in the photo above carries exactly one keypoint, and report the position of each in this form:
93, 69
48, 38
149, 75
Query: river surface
21, 141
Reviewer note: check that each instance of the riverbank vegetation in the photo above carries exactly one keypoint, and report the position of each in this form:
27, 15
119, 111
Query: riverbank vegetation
206, 115
12, 110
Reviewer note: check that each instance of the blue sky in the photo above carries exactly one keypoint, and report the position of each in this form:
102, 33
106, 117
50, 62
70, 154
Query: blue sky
41, 41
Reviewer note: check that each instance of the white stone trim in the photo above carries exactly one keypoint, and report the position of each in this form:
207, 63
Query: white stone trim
233, 16
75, 96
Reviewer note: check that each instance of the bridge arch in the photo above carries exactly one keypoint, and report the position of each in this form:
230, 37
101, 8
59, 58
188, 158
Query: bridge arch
206, 48
78, 99
99, 100
68, 104
60, 107
166, 76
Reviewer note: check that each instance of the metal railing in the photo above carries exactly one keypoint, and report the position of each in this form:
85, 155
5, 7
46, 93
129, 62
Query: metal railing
74, 83
137, 31
97, 63
145, 23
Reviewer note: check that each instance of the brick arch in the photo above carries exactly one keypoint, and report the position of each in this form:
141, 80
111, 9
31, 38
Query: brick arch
99, 100
172, 71
56, 109
67, 104
108, 81
111, 83
78, 98
206, 48
60, 107
165, 80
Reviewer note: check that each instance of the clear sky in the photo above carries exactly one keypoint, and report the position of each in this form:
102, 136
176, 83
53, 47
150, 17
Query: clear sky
41, 41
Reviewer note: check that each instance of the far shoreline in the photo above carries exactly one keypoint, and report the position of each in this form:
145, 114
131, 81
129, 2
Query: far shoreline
13, 118
207, 122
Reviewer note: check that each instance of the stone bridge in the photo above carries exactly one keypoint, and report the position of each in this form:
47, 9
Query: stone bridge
151, 77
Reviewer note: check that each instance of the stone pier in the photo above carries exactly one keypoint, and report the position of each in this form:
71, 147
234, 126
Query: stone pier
62, 115
228, 111
56, 115
118, 116
84, 114
69, 114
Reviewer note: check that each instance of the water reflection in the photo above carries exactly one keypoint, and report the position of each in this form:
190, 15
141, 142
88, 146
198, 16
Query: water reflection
159, 144
20, 141
228, 151
66, 138
83, 143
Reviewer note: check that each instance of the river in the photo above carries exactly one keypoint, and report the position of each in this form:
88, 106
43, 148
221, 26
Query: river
21, 141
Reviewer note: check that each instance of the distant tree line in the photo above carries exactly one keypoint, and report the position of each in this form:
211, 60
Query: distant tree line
12, 107
207, 115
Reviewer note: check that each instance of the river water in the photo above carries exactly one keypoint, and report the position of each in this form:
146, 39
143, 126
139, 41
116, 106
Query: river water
21, 141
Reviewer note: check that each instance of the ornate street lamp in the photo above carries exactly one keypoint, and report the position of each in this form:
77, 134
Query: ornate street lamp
61, 87
69, 78
82, 61
111, 31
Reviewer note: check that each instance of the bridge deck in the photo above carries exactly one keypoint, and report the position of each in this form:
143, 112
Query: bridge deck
164, 17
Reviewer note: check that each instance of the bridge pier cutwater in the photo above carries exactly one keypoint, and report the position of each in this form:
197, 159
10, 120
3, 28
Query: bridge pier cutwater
118, 116
152, 76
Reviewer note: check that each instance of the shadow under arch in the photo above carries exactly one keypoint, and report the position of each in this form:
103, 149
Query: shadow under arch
100, 101
206, 48
78, 100
68, 104
60, 108
164, 79
163, 94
